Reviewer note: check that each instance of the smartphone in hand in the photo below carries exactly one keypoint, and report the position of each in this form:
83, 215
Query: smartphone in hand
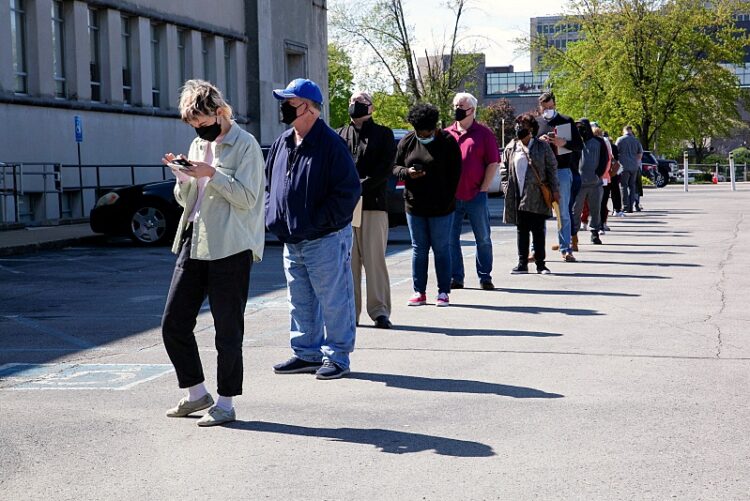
418, 167
181, 164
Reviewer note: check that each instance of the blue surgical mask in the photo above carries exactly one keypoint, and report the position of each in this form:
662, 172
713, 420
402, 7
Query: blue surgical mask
426, 140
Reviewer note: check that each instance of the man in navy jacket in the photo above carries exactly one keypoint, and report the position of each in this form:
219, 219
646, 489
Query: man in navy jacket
312, 188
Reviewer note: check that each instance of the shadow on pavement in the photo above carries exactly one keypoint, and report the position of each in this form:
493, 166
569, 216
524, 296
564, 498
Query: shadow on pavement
392, 442
644, 252
612, 275
533, 310
608, 244
552, 292
633, 263
449, 331
452, 385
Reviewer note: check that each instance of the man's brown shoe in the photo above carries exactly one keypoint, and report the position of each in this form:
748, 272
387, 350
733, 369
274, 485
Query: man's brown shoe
568, 258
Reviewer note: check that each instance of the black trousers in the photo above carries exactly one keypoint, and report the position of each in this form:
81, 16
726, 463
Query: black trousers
606, 193
226, 283
530, 222
615, 192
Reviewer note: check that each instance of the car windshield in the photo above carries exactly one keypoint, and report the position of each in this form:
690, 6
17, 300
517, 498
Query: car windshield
648, 158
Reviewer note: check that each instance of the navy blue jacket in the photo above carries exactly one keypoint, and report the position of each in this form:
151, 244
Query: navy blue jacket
311, 189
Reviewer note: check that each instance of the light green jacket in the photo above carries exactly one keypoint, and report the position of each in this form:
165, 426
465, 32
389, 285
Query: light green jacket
232, 214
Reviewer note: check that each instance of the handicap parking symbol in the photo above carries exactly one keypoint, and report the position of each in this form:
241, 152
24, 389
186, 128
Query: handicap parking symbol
17, 376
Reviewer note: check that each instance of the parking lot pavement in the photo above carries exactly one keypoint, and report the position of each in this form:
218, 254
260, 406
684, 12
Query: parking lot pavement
623, 376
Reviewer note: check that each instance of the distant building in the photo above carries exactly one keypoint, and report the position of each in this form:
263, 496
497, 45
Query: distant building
119, 65
556, 33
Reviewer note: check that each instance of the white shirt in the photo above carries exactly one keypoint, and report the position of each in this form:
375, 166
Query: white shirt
203, 181
521, 162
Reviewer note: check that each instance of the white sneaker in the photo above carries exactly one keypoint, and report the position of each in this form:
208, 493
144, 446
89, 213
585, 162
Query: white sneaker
584, 227
620, 214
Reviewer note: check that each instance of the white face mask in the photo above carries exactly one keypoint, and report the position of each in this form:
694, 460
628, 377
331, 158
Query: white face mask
549, 114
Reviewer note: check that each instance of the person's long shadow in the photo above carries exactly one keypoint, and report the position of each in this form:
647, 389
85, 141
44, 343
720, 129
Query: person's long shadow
392, 442
552, 292
451, 331
452, 385
611, 275
610, 244
639, 252
532, 310
656, 263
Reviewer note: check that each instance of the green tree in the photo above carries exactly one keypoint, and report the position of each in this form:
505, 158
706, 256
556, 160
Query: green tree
390, 110
380, 28
499, 116
340, 85
650, 63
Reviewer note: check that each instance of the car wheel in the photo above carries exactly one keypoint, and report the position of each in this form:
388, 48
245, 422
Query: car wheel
661, 180
150, 225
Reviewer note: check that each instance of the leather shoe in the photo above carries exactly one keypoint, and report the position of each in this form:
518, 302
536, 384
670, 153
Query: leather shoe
455, 284
488, 286
216, 416
185, 407
382, 322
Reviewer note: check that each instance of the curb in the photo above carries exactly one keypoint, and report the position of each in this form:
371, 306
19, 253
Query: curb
40, 246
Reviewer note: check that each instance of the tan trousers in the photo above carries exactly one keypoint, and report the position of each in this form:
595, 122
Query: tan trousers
368, 250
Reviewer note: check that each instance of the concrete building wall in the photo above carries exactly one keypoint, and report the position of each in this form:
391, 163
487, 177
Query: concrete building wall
246, 47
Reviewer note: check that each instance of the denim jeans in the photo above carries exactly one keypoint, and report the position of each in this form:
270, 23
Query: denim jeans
321, 297
575, 187
479, 217
426, 233
565, 179
628, 184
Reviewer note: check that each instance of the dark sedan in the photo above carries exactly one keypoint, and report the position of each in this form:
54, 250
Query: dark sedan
147, 213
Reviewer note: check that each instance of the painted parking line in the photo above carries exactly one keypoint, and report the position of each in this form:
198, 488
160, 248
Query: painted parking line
18, 376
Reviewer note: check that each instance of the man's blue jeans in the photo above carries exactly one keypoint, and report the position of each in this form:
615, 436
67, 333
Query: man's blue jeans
431, 232
321, 297
565, 179
479, 217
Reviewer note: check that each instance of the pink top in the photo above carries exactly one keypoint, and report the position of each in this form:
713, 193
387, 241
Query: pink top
478, 150
202, 181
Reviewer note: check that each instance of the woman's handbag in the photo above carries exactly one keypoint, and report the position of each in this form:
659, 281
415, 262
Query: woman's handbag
544, 187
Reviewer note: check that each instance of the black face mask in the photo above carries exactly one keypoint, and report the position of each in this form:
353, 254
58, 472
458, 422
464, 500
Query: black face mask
288, 112
358, 110
209, 132
460, 114
521, 132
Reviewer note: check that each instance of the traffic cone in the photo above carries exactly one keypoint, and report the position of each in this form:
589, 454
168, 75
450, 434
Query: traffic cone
715, 179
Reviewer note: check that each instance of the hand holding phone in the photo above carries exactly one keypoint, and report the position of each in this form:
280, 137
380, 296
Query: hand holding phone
418, 167
181, 163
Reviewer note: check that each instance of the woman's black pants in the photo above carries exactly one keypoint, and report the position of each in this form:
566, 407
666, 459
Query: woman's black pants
226, 283
530, 222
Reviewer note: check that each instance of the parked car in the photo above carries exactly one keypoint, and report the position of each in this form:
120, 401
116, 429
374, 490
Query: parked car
394, 191
652, 169
671, 167
147, 213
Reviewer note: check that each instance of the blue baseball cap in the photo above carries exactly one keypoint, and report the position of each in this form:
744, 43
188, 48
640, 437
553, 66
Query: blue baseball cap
300, 87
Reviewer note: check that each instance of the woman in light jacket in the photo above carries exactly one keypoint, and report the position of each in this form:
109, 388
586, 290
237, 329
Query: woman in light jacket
220, 234
524, 159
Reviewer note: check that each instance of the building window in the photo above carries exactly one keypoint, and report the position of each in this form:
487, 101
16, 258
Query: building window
155, 67
58, 48
18, 41
228, 91
127, 63
206, 57
181, 54
295, 59
95, 64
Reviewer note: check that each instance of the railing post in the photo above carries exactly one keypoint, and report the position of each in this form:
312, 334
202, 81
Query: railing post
685, 170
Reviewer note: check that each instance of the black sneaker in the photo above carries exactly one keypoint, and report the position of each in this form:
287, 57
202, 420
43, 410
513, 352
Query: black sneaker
382, 322
488, 286
296, 365
329, 370
595, 239
521, 268
455, 284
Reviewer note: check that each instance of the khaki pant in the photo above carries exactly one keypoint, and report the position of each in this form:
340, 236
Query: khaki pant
368, 250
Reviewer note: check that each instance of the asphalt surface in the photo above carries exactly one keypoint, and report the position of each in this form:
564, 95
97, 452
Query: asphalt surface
623, 376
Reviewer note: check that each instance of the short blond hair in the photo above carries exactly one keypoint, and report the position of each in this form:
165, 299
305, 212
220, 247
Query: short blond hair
199, 97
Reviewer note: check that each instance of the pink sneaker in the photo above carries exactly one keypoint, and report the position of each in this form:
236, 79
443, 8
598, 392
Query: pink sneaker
442, 299
418, 299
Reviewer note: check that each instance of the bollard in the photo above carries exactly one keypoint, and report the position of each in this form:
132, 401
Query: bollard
685, 170
731, 170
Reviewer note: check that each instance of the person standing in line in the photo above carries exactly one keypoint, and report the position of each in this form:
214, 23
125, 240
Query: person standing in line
374, 149
560, 132
606, 179
593, 164
479, 163
527, 162
428, 160
220, 234
312, 189
614, 174
630, 153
